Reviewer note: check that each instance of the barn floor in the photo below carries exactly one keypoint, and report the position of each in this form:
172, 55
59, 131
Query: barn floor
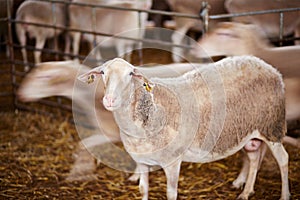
36, 157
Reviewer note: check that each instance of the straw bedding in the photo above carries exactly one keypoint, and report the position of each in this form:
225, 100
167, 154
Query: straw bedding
36, 155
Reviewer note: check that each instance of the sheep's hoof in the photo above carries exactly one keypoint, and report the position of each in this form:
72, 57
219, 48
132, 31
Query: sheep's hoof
244, 196
26, 68
134, 178
237, 184
286, 197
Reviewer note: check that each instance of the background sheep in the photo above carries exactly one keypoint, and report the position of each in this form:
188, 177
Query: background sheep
184, 24
149, 119
269, 23
41, 13
108, 21
225, 39
57, 79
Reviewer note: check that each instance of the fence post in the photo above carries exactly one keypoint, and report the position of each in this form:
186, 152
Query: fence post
11, 53
54, 23
140, 43
281, 28
204, 15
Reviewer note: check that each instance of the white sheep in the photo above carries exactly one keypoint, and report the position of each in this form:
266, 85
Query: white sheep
183, 24
269, 23
58, 78
231, 38
108, 21
157, 117
44, 13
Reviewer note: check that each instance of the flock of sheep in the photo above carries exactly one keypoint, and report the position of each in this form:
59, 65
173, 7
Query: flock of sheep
180, 112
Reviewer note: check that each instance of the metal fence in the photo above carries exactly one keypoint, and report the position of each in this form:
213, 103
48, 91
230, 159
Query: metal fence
12, 65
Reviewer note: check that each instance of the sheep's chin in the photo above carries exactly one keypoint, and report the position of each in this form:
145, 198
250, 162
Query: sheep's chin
112, 108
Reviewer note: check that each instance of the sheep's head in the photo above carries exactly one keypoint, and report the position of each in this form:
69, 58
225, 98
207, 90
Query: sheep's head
231, 38
48, 79
119, 78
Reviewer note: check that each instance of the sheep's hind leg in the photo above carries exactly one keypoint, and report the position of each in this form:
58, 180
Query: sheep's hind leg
254, 152
291, 141
282, 159
242, 177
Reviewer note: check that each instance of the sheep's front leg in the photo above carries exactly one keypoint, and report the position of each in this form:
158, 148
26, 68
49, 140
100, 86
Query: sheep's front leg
144, 180
67, 46
21, 33
76, 44
40, 42
177, 39
242, 177
136, 175
172, 173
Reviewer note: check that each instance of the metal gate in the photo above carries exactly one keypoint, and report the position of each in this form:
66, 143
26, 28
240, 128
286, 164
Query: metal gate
12, 65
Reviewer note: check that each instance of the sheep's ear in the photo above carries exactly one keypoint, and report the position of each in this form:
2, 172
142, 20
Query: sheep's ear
91, 76
136, 74
148, 85
226, 30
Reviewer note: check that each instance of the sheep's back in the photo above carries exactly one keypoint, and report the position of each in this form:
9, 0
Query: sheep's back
253, 97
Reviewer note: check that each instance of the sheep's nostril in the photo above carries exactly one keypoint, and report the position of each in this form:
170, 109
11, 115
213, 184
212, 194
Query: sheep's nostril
110, 99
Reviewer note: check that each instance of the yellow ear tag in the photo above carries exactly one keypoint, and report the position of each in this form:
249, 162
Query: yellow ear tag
91, 79
147, 87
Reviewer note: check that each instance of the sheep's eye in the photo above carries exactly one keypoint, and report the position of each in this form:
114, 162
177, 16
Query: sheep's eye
131, 73
227, 34
101, 72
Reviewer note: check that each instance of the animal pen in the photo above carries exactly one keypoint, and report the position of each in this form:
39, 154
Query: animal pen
38, 140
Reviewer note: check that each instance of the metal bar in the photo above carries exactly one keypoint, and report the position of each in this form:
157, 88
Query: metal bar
4, 71
4, 94
107, 6
280, 28
50, 51
140, 50
54, 22
253, 13
110, 35
176, 14
11, 53
94, 27
14, 62
204, 15
4, 84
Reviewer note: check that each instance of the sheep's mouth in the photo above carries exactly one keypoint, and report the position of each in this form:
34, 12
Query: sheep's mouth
111, 107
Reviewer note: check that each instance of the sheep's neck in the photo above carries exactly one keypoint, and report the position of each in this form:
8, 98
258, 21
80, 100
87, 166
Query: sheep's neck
254, 48
132, 116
